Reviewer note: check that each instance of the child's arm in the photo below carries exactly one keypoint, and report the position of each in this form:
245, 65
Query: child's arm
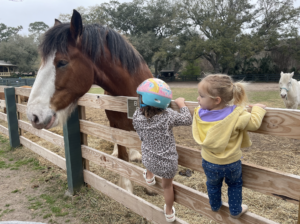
257, 114
184, 116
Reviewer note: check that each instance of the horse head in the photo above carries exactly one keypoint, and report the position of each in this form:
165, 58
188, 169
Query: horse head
285, 84
73, 58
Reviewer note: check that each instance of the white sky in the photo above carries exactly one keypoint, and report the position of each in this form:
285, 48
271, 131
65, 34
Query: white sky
29, 11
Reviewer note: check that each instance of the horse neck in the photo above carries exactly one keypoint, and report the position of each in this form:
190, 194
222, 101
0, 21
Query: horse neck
117, 81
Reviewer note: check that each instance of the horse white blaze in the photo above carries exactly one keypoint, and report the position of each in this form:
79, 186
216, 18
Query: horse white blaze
39, 110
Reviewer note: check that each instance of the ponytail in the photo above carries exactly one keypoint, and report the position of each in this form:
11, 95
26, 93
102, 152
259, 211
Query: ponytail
239, 94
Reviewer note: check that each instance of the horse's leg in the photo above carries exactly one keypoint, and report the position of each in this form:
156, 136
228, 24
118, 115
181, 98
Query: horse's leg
134, 155
115, 152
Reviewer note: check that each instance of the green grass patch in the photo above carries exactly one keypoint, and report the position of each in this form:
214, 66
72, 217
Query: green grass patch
3, 165
96, 91
269, 98
49, 199
15, 191
7, 205
47, 216
61, 214
35, 205
56, 209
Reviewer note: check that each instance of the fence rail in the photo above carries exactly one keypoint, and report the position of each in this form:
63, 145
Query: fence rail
280, 122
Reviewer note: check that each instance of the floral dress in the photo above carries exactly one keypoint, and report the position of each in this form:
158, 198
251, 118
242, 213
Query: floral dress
159, 153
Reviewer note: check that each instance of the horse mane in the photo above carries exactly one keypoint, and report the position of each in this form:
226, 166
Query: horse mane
94, 38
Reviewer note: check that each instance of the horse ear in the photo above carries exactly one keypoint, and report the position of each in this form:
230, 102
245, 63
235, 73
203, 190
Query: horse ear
76, 25
57, 22
292, 74
281, 73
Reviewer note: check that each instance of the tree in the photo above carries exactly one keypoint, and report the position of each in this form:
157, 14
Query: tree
227, 29
6, 32
37, 28
21, 51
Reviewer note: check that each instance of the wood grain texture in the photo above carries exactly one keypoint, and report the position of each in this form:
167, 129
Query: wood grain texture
45, 153
2, 104
115, 103
22, 91
21, 108
42, 133
4, 130
134, 203
271, 182
186, 196
3, 116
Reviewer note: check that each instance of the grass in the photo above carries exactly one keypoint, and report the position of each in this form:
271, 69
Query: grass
96, 91
269, 98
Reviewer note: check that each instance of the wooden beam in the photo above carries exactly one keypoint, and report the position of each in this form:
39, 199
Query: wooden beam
271, 182
22, 91
83, 138
43, 152
42, 133
4, 130
3, 116
186, 196
134, 203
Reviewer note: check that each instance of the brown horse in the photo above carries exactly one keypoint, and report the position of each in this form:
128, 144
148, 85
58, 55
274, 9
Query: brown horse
73, 58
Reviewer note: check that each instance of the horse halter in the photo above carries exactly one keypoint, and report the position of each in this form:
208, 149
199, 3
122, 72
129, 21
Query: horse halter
286, 89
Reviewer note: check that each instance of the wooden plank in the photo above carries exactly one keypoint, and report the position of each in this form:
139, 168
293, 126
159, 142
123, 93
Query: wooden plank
23, 91
3, 116
264, 180
45, 153
278, 122
21, 108
115, 103
281, 122
42, 133
83, 138
186, 196
2, 104
134, 203
4, 130
121, 137
19, 115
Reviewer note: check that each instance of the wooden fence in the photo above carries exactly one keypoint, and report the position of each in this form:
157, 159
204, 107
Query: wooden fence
279, 122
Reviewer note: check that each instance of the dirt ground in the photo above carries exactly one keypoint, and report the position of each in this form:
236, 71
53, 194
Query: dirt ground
273, 152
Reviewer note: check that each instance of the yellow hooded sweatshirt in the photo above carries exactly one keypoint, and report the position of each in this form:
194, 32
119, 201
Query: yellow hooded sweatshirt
224, 140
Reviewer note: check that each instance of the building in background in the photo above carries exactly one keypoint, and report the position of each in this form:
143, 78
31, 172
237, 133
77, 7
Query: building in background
6, 68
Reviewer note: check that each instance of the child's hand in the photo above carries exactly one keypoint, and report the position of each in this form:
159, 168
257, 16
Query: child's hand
180, 102
259, 105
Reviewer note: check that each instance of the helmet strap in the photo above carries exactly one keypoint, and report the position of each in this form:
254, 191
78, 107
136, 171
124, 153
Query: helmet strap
140, 102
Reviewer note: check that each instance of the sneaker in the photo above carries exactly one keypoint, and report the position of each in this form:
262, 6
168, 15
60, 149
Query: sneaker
172, 217
244, 210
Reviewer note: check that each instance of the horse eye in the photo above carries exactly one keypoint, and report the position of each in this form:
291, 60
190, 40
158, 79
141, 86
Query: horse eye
61, 64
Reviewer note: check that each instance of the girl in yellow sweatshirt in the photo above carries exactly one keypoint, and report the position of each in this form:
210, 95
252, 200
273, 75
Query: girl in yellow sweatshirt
220, 126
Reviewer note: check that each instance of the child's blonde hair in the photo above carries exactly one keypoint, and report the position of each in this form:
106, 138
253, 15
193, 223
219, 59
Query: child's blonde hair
222, 86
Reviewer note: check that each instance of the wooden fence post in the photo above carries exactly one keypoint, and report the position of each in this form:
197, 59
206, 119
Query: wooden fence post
83, 137
12, 119
73, 153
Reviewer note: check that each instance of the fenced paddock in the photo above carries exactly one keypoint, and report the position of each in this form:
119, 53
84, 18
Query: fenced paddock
278, 122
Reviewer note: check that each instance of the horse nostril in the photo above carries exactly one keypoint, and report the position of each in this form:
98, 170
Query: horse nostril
35, 119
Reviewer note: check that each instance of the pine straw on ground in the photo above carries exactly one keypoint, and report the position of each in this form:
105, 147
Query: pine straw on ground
273, 152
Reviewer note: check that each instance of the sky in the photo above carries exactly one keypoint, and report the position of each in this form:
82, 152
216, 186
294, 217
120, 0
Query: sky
24, 12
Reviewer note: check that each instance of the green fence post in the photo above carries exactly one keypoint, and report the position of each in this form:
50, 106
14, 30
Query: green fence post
73, 153
12, 119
